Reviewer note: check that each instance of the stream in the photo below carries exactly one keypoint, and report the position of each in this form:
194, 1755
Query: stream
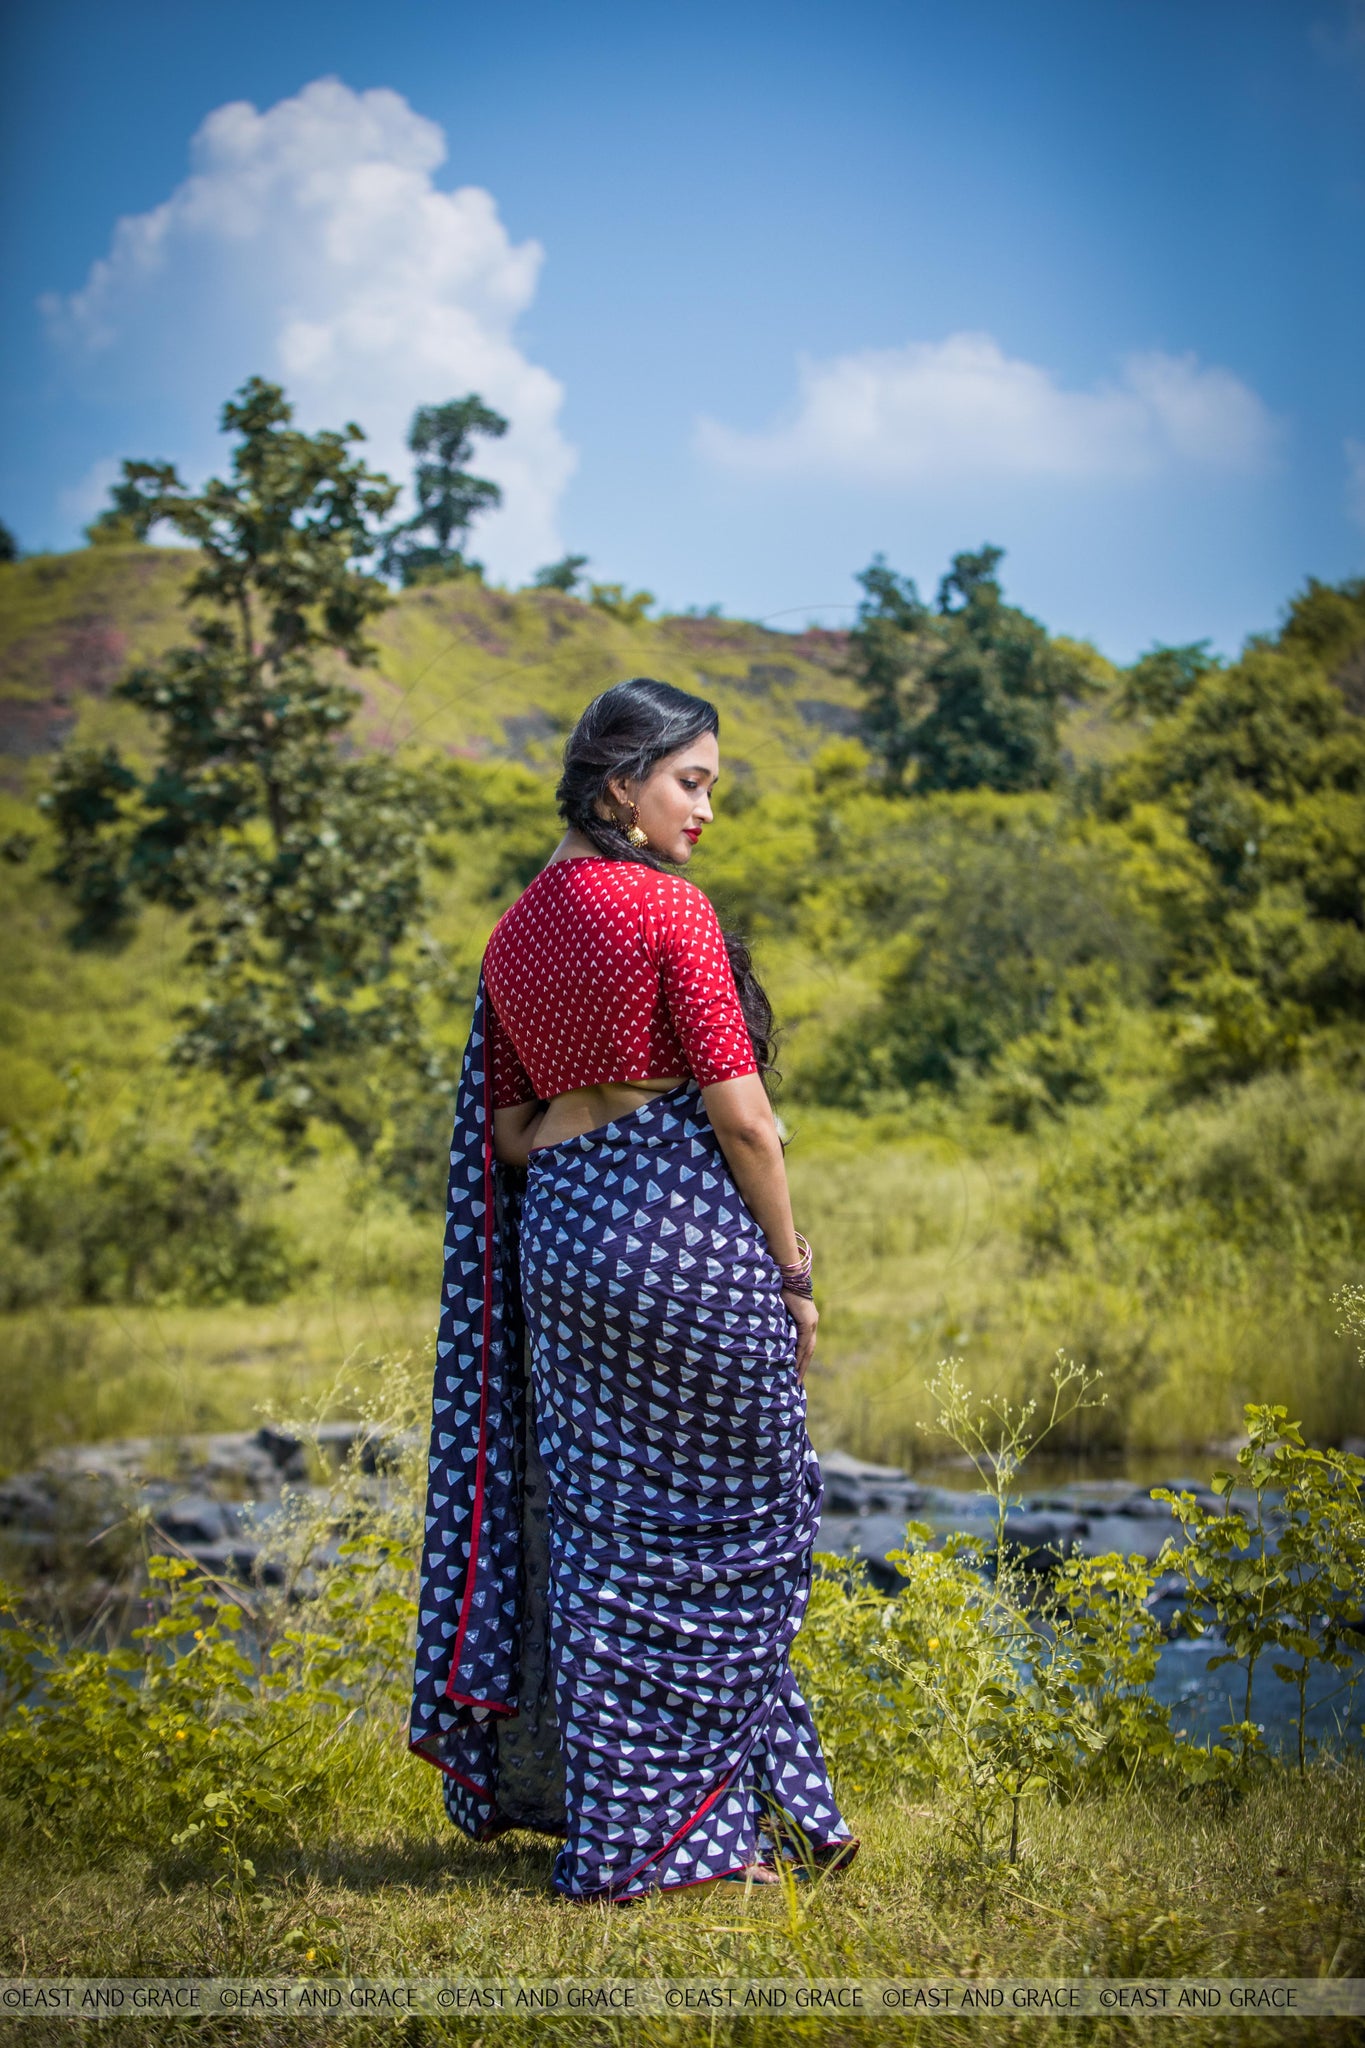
215, 1499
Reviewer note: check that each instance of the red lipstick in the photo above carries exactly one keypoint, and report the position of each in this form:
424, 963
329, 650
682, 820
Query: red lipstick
693, 833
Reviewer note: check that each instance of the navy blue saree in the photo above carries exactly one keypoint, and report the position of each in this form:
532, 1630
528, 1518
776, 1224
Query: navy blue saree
626, 1302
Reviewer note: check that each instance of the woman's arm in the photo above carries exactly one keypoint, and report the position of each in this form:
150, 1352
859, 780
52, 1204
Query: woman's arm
514, 1132
742, 1119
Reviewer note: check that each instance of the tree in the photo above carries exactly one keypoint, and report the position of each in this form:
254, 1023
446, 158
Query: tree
301, 871
448, 497
630, 607
1158, 682
966, 694
565, 574
132, 511
9, 546
889, 649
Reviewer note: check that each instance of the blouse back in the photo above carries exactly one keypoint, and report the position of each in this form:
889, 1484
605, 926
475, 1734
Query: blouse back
605, 971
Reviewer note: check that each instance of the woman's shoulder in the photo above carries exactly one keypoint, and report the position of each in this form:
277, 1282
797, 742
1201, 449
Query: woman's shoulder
680, 903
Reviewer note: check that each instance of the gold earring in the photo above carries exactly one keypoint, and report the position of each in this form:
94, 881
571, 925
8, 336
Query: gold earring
634, 831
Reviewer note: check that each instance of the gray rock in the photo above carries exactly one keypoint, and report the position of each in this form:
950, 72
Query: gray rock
27, 1502
195, 1519
285, 1451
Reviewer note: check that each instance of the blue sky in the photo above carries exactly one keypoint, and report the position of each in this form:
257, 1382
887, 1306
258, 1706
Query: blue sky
763, 288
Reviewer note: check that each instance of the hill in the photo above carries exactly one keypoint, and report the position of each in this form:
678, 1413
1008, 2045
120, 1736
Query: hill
473, 672
1072, 1068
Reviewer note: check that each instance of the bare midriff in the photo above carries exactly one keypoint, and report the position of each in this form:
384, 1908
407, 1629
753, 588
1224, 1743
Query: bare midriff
587, 1109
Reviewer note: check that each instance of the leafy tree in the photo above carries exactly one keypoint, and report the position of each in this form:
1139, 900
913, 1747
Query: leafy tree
1159, 682
9, 546
889, 649
565, 574
618, 603
1008, 946
133, 505
449, 498
301, 871
1327, 620
967, 694
1261, 770
993, 686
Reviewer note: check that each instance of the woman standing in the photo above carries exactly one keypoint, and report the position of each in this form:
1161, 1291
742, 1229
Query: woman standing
616, 1058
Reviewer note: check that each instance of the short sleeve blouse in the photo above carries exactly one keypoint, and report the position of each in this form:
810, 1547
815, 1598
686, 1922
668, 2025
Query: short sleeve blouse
604, 971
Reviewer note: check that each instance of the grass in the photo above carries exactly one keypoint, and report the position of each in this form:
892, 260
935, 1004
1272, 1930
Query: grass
1127, 1887
925, 1216
921, 1254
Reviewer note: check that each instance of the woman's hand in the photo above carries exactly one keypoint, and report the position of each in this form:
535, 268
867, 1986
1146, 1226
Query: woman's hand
806, 1317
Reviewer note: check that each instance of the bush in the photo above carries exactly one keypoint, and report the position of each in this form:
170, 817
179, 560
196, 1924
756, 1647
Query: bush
153, 1222
1005, 934
234, 1721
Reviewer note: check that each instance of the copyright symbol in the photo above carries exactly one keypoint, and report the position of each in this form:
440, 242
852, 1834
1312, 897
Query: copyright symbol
445, 1998
674, 1997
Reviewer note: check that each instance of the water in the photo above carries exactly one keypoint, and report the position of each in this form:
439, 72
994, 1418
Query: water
1066, 1505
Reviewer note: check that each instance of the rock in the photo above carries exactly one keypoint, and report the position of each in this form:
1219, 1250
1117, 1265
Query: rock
1042, 1541
285, 1450
27, 1503
240, 1560
196, 1519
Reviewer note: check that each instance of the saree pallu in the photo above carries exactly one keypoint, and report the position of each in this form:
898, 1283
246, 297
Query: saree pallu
683, 1500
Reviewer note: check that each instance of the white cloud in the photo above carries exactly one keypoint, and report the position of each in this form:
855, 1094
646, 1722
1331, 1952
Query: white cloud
309, 243
84, 499
961, 408
1355, 481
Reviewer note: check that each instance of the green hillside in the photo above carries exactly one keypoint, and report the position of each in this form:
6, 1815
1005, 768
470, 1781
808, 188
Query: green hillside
1071, 1068
474, 672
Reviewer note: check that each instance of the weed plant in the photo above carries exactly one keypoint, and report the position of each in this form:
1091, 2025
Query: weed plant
228, 1792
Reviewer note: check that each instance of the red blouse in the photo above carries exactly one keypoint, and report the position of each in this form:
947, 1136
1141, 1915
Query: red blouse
606, 970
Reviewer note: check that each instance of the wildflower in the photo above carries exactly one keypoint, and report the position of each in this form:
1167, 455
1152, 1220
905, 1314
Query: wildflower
933, 1642
180, 1735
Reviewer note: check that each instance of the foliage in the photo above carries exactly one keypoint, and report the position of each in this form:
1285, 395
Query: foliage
135, 503
1160, 680
1261, 767
1289, 1578
301, 869
152, 1222
566, 574
227, 1725
996, 1436
1005, 932
966, 694
449, 498
1001, 1682
9, 546
613, 599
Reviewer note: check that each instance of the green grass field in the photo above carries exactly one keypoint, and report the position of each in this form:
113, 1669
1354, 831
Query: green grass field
1129, 1887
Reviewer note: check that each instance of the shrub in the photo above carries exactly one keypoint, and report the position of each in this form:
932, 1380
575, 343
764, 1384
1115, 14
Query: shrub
152, 1222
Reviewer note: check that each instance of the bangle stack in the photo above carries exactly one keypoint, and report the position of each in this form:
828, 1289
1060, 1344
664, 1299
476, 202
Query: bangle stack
796, 1277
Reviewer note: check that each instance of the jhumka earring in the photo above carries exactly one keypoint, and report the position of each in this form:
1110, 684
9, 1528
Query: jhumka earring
634, 831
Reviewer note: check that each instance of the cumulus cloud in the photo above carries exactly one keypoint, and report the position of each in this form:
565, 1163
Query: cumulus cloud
961, 408
310, 244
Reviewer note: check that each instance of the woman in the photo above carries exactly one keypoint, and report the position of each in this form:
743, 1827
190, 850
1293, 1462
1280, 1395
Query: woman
667, 1303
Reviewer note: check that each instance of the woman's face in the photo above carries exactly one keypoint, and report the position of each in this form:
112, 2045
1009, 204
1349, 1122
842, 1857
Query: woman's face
674, 800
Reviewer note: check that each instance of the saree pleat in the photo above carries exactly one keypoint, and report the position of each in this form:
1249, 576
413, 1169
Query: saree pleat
683, 1503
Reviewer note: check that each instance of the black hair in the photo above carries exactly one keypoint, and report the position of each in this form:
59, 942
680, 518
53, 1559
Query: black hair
623, 734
